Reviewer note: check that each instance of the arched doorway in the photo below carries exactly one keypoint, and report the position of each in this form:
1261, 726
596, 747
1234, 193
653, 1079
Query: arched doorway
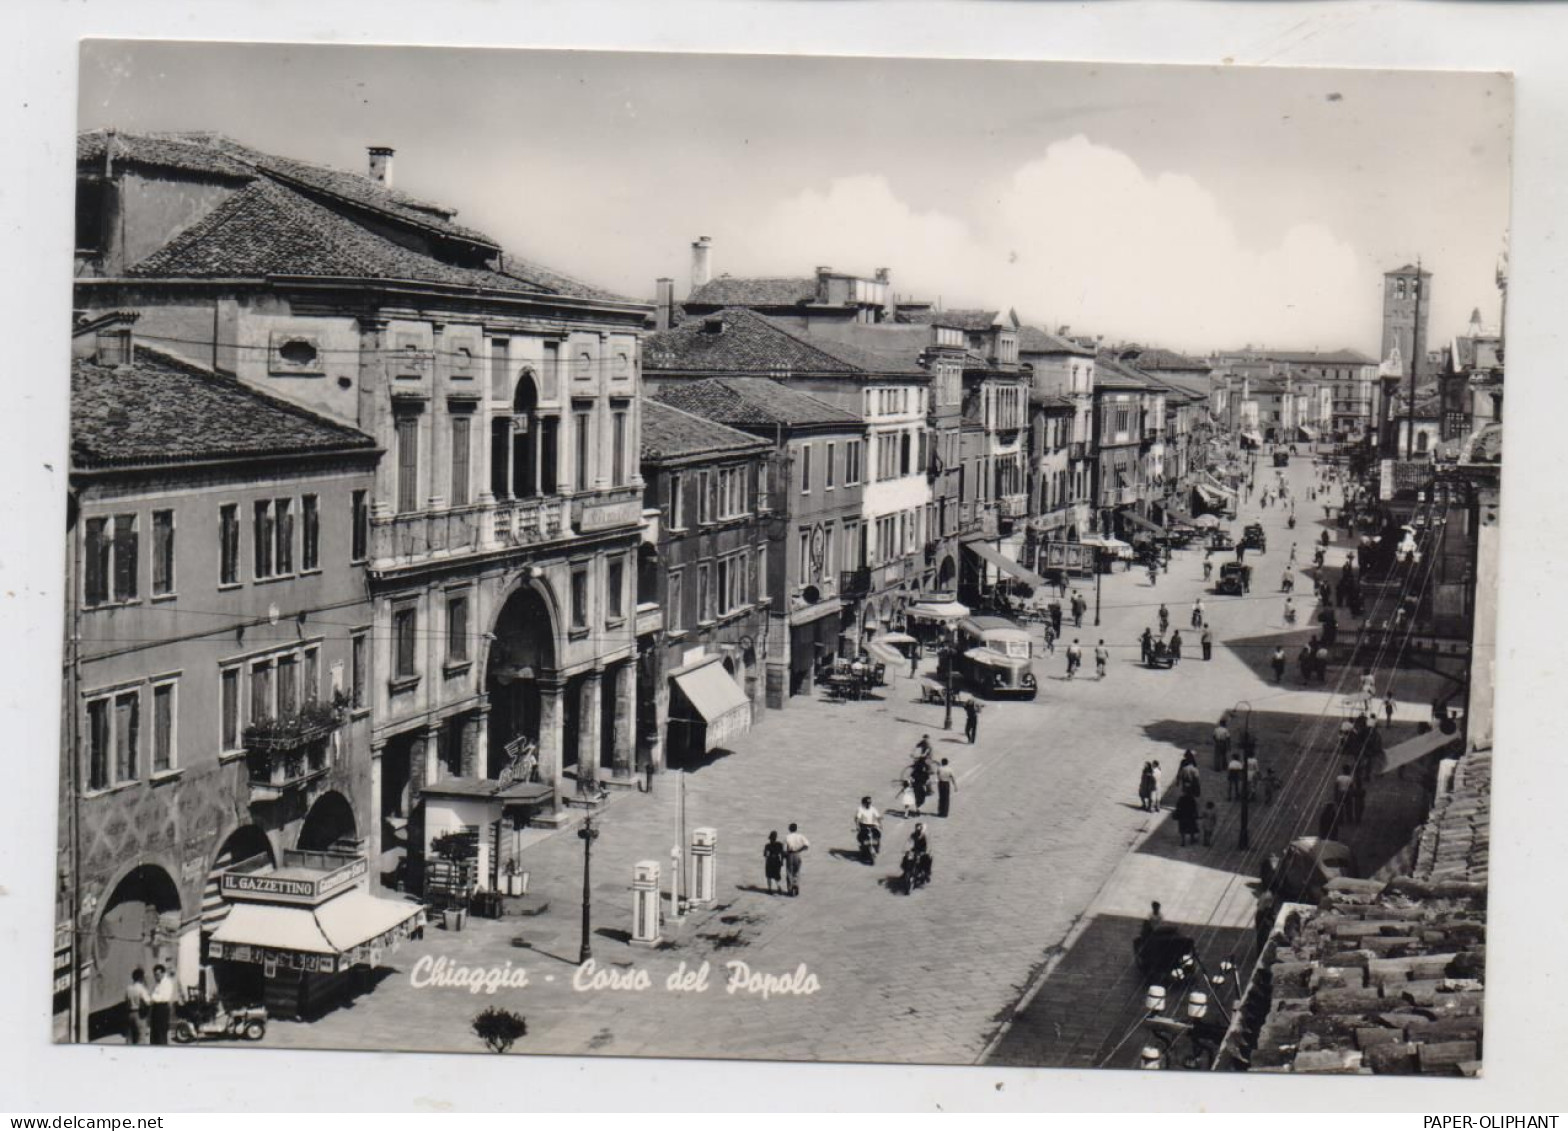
521, 653
330, 825
522, 446
947, 574
242, 980
139, 927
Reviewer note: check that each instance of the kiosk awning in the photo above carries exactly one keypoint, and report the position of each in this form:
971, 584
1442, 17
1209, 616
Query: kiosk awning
1138, 520
939, 610
1003, 563
340, 928
1413, 749
716, 697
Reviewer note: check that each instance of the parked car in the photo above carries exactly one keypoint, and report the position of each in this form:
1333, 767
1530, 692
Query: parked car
1254, 539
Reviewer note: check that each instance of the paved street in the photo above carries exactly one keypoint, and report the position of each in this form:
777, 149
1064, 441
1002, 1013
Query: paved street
1042, 873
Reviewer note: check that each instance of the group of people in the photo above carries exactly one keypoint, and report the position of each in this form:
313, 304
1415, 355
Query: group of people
149, 1010
781, 860
924, 773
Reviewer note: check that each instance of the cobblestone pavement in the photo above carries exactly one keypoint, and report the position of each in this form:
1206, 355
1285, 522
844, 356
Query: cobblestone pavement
1046, 847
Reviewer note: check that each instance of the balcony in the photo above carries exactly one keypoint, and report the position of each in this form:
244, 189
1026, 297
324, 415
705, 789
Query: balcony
1077, 450
650, 618
398, 538
527, 522
853, 583
1013, 506
289, 752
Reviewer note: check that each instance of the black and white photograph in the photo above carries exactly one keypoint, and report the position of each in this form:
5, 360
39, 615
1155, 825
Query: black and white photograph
788, 557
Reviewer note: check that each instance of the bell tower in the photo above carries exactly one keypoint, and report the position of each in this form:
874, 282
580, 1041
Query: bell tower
1407, 296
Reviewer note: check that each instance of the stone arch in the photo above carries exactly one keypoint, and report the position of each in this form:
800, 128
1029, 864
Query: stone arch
329, 825
138, 926
243, 842
521, 650
947, 574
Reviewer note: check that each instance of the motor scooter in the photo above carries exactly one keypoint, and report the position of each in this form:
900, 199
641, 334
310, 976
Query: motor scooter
869, 838
915, 870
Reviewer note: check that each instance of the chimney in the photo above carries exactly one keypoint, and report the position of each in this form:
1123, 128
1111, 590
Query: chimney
700, 269
381, 164
822, 283
664, 304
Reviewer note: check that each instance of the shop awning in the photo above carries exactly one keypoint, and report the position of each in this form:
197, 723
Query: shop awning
1216, 485
1176, 514
716, 696
942, 611
341, 928
1005, 564
1307, 431
1252, 437
1138, 520
1211, 495
1413, 749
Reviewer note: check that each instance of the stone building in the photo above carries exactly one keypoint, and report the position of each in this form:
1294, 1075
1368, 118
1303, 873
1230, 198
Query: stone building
505, 519
218, 669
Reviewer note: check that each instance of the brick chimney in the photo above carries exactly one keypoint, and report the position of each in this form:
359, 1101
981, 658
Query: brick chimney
664, 304
701, 270
381, 164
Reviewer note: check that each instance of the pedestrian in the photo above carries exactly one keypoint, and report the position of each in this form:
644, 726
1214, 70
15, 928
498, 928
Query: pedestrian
1176, 647
946, 786
795, 846
914, 661
773, 863
1159, 782
1050, 637
1221, 745
920, 781
1320, 662
1188, 777
1079, 606
1056, 620
1101, 657
1343, 784
906, 798
1165, 620
1206, 641
1197, 613
1233, 771
1208, 568
1241, 552
1368, 688
1211, 820
1074, 658
1147, 641
1271, 785
1388, 707
923, 747
1147, 796
971, 719
1251, 774
138, 1007
1187, 819
1278, 663
164, 993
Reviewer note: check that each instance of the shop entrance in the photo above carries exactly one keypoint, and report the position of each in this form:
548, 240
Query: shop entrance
139, 928
522, 653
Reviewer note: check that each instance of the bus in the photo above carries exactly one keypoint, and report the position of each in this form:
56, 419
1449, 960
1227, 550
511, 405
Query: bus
991, 657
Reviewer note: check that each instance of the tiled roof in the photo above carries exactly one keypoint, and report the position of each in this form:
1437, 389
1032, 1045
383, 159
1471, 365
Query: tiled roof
740, 341
1032, 339
158, 151
1486, 446
671, 433
1111, 374
729, 291
1310, 357
966, 319
753, 401
1052, 401
165, 411
1154, 359
266, 229
1455, 843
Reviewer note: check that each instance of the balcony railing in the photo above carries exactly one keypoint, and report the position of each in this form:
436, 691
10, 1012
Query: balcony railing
1013, 506
525, 522
854, 583
1077, 450
287, 753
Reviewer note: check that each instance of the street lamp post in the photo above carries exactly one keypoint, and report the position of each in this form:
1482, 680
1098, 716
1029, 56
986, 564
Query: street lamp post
588, 834
1099, 568
1244, 839
947, 697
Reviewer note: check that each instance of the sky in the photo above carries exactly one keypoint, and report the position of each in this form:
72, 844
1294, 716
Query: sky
1197, 208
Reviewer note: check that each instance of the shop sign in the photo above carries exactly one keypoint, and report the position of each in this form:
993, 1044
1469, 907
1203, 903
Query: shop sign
281, 889
605, 515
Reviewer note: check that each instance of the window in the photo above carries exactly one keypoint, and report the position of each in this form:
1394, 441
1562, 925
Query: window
730, 491
262, 537
163, 748
828, 467
583, 418
615, 590
580, 598
288, 685
405, 623
582, 367
723, 578
127, 736
461, 426
805, 553
852, 451
704, 595
229, 544
310, 533
360, 549
125, 555
407, 429
312, 676
457, 630
284, 509
229, 709
500, 369
360, 675
260, 691
805, 469
677, 502
619, 419
704, 498
675, 602
162, 553
762, 571
110, 570
904, 453
96, 567
98, 744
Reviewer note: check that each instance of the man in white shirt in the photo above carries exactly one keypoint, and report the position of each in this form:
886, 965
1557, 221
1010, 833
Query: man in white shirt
164, 994
868, 819
795, 845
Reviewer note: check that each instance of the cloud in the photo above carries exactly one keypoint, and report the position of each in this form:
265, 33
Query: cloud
1082, 235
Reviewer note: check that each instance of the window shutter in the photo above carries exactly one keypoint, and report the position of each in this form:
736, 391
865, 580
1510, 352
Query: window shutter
125, 557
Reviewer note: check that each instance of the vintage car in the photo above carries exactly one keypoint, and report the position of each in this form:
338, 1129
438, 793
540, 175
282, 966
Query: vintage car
1220, 539
1254, 539
992, 658
1235, 579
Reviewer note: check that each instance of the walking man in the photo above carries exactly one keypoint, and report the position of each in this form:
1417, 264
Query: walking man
795, 846
946, 786
971, 720
1147, 641
1197, 613
164, 992
1176, 647
1100, 658
914, 661
1221, 745
1278, 662
1079, 605
1074, 658
1207, 640
1165, 620
1233, 772
1388, 708
1188, 777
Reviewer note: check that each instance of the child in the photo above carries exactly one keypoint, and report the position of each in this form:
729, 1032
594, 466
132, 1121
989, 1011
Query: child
906, 798
1210, 821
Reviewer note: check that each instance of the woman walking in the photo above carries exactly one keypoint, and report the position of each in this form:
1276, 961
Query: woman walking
773, 863
1146, 790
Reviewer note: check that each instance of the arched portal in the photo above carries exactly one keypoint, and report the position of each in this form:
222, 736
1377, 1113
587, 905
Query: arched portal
515, 444
522, 653
240, 981
330, 825
947, 574
139, 927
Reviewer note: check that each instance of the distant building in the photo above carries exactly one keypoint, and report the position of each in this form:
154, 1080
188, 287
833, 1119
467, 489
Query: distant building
1061, 377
